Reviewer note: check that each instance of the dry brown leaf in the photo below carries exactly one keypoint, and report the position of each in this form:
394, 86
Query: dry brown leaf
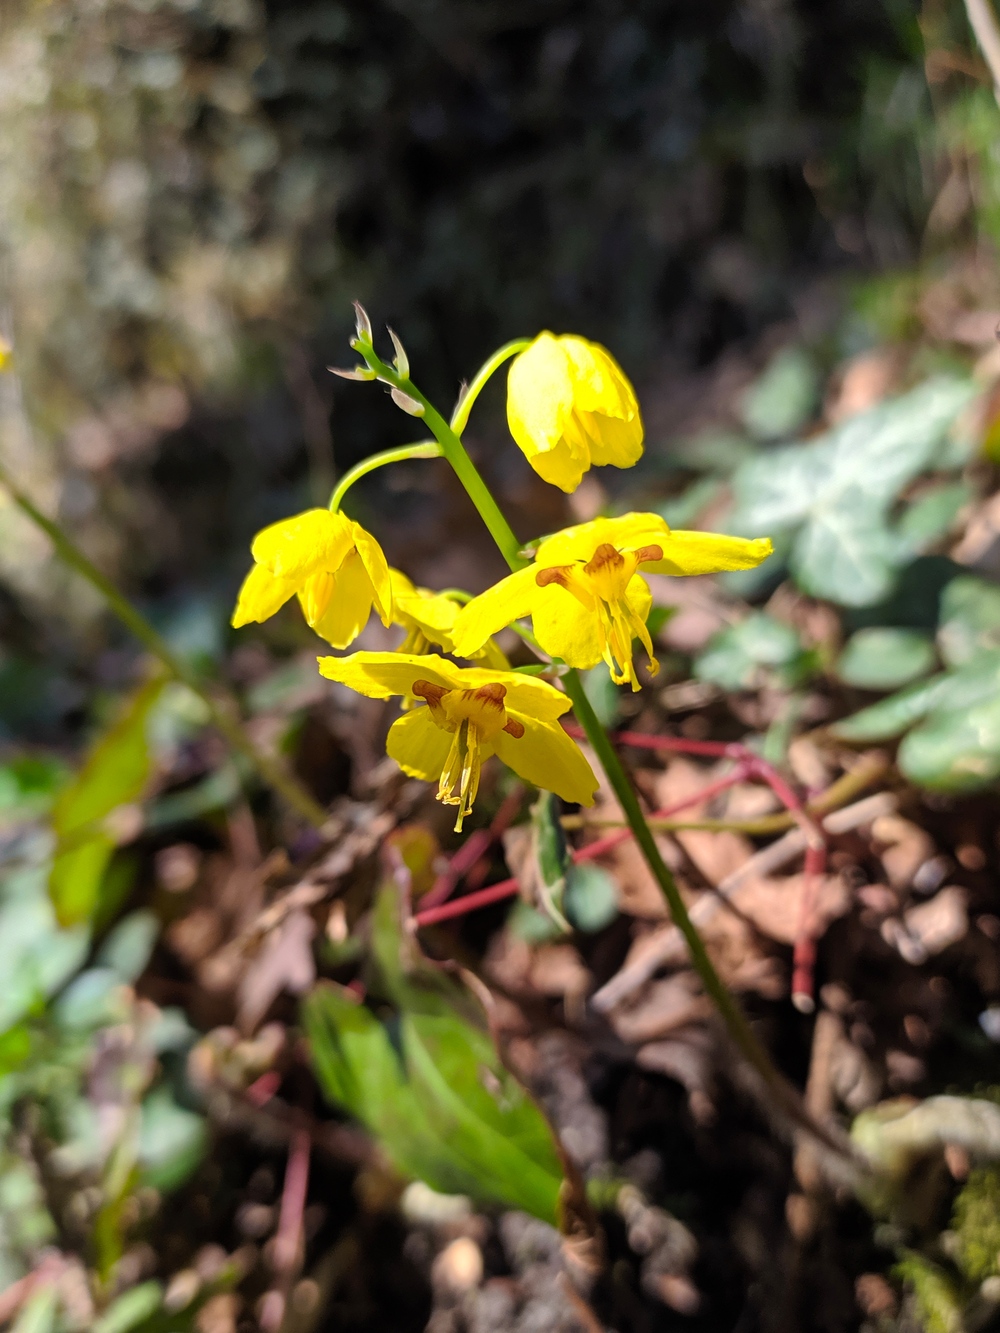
558, 970
775, 906
284, 963
662, 1007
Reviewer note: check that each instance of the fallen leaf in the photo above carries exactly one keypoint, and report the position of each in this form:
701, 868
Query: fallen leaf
285, 963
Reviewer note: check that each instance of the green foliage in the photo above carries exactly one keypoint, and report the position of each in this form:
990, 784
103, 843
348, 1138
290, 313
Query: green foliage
976, 1222
885, 659
741, 656
835, 494
114, 774
591, 897
939, 1305
952, 720
429, 1085
783, 398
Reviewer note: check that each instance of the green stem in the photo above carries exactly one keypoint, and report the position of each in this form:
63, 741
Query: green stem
454, 450
460, 416
728, 1009
269, 769
425, 449
733, 1016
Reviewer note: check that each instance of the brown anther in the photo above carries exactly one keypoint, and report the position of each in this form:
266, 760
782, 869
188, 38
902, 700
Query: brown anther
427, 690
648, 553
604, 556
515, 729
492, 695
556, 574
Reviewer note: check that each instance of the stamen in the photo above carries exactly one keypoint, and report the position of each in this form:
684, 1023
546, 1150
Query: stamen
514, 728
606, 559
555, 574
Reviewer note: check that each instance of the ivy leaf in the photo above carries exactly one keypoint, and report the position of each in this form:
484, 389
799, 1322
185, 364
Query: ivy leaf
736, 657
969, 619
883, 658
835, 493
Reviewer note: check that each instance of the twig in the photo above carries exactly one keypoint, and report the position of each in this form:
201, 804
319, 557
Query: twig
475, 846
507, 888
668, 945
287, 1243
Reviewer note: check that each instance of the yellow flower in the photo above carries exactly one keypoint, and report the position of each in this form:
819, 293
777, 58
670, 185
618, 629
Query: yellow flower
470, 714
428, 618
584, 595
336, 569
570, 407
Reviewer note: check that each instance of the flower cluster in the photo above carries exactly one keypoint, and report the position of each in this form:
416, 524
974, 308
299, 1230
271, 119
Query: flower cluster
569, 407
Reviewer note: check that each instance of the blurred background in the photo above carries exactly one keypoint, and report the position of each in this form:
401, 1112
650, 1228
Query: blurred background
193, 192
782, 218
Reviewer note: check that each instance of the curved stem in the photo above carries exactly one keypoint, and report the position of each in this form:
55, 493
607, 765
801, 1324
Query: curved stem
271, 770
454, 450
425, 449
732, 1015
466, 401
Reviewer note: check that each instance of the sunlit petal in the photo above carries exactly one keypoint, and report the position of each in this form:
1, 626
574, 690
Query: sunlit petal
548, 758
510, 599
708, 553
418, 745
261, 596
297, 546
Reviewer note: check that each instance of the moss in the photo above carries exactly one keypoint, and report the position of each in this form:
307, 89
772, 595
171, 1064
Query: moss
976, 1221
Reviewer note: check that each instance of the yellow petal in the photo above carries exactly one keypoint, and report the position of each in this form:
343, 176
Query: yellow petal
430, 611
375, 563
349, 606
546, 757
381, 675
708, 553
628, 532
539, 405
261, 596
418, 745
296, 547
510, 599
565, 628
614, 442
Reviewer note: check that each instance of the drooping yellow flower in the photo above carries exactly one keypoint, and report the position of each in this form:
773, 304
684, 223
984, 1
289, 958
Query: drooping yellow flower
570, 407
585, 596
470, 714
429, 617
334, 567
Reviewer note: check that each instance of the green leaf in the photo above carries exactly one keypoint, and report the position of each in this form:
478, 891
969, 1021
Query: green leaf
604, 695
172, 1140
954, 750
969, 619
114, 773
39, 1313
890, 717
591, 897
443, 1107
734, 657
550, 856
835, 493
485, 1116
933, 515
128, 947
131, 1309
783, 398
885, 659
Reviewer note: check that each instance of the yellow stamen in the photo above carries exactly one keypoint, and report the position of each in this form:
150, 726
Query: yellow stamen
474, 717
601, 586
